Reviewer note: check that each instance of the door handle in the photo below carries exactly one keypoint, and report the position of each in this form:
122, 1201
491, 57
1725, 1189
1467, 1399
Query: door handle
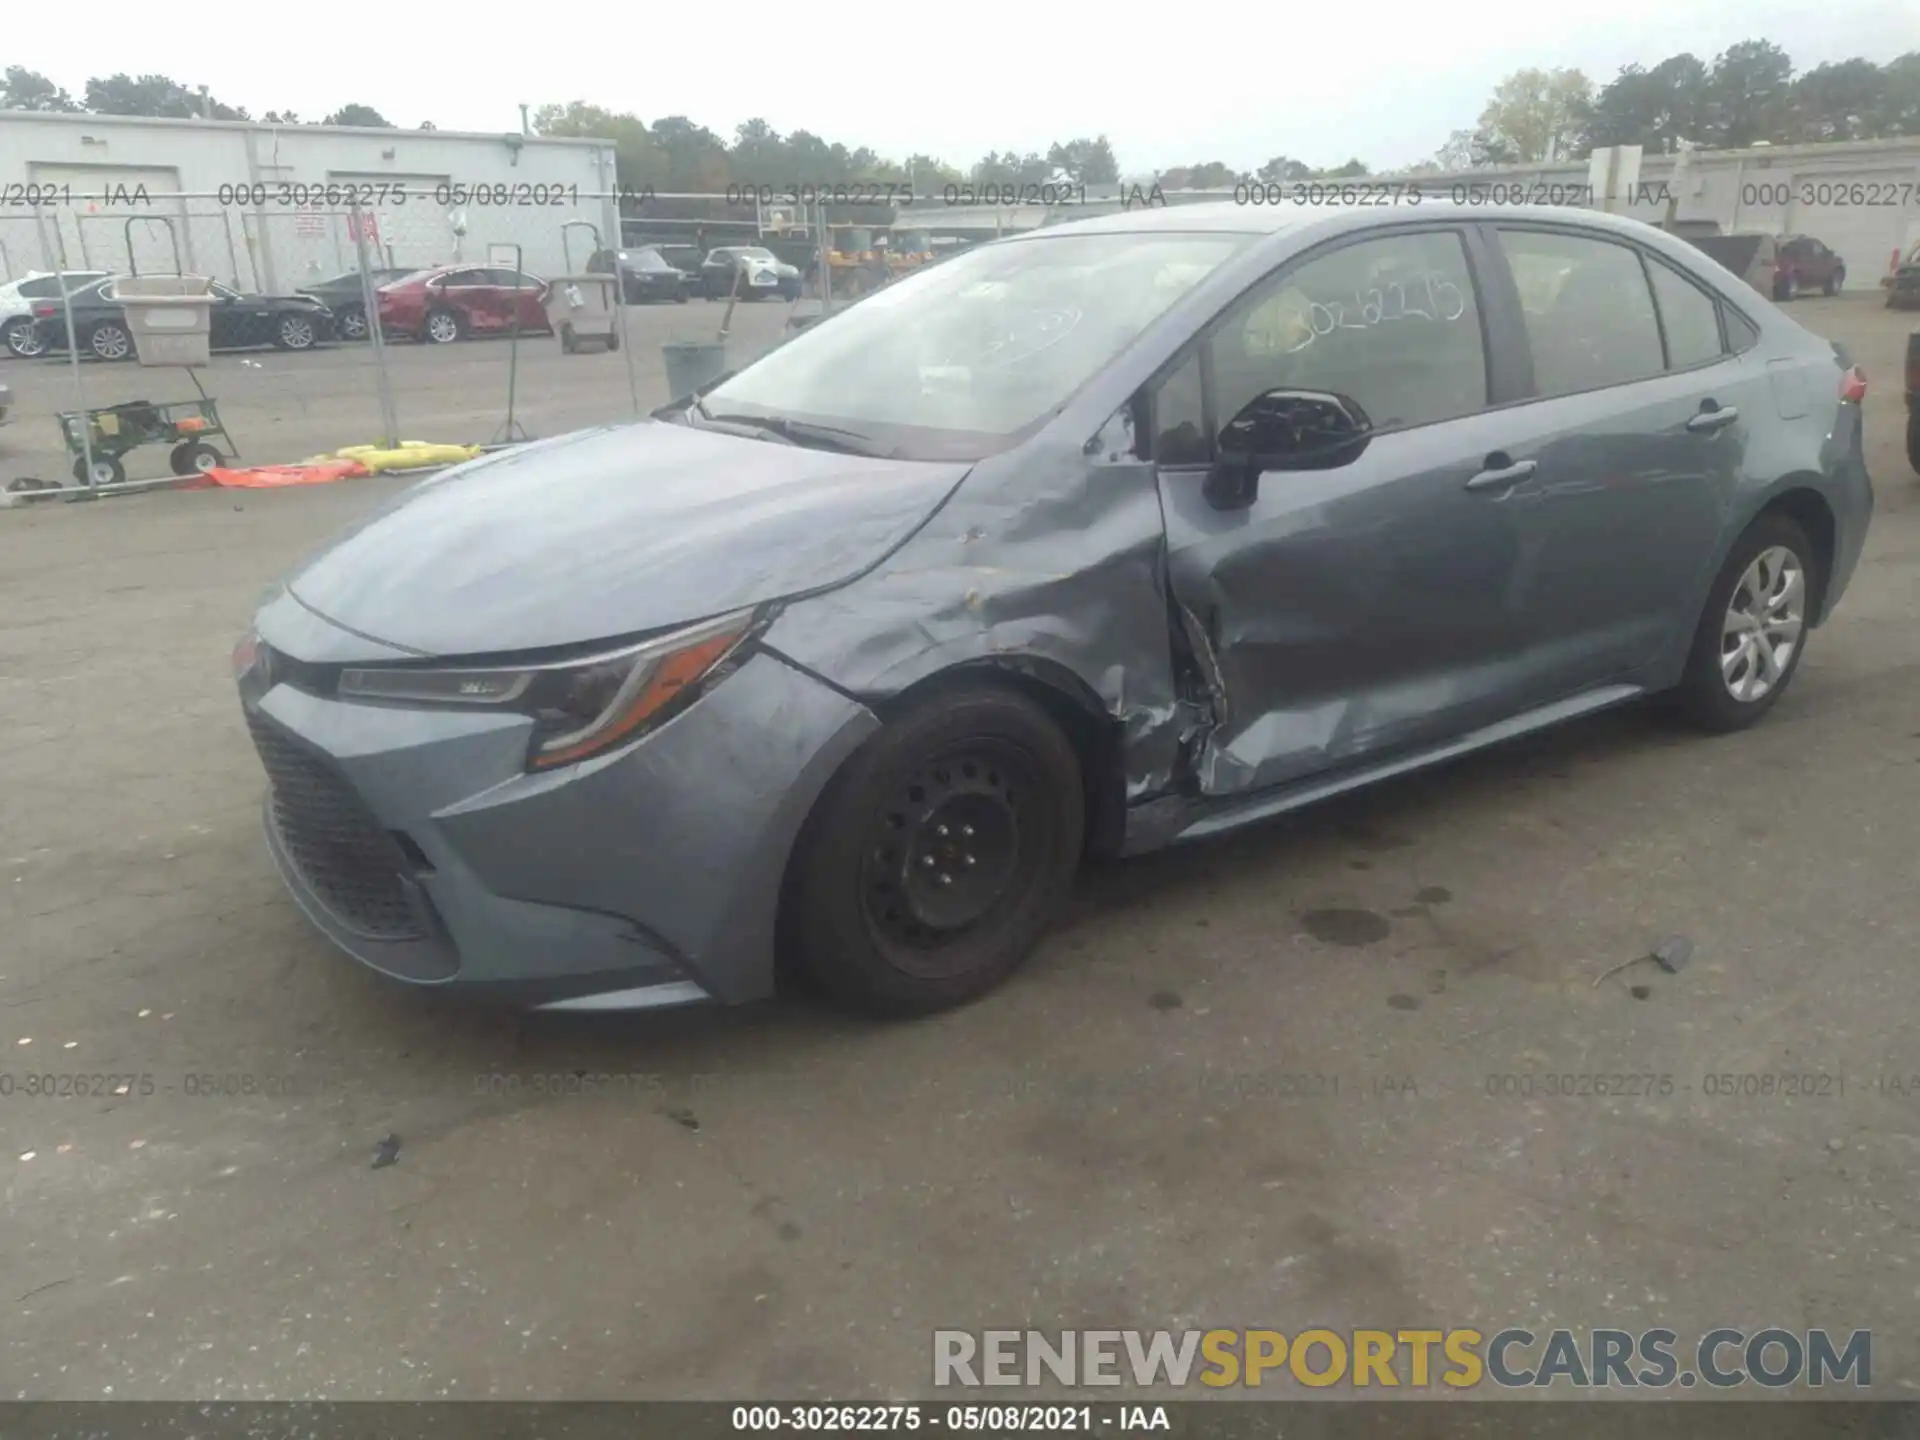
1503, 476
1708, 421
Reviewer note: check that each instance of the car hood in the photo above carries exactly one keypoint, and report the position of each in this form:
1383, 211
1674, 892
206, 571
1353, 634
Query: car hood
611, 532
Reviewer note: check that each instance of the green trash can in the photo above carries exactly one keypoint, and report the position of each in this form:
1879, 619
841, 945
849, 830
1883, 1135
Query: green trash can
691, 364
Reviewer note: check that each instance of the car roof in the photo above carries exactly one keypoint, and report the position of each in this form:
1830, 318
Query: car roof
1226, 216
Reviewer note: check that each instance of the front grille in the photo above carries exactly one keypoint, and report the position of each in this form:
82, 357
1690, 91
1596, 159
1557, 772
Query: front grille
350, 863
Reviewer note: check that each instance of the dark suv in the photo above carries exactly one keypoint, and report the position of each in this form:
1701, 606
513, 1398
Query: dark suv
1801, 263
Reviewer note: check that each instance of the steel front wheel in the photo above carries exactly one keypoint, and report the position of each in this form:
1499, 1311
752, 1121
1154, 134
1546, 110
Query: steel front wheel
351, 323
1753, 631
1835, 281
939, 855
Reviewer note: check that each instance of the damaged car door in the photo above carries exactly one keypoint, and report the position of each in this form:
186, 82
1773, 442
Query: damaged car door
1342, 548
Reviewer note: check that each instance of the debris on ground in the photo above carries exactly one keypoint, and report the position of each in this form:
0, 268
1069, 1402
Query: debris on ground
387, 1152
1671, 953
685, 1118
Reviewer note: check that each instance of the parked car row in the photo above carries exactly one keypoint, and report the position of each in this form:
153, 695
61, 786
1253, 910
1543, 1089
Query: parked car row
437, 305
675, 273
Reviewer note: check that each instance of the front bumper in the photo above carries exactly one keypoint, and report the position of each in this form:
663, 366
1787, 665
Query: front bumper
415, 840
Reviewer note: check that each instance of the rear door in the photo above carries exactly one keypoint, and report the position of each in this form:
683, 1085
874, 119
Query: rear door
1637, 421
531, 299
473, 294
1372, 604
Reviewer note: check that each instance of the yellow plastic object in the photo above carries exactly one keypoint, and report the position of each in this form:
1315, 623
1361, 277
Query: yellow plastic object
408, 455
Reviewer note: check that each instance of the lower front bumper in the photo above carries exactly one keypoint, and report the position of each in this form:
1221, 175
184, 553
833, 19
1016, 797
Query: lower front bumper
646, 877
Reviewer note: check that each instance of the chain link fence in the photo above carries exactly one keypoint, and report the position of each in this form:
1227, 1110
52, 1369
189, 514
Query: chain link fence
444, 315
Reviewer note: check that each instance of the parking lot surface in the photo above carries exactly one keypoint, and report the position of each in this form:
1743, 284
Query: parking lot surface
1306, 1075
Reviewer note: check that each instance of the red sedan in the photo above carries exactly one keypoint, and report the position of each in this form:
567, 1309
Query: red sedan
451, 302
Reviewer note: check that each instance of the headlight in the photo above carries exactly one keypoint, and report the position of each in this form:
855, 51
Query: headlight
580, 707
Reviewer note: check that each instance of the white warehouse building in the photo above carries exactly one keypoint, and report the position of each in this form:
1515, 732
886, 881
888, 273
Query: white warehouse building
272, 207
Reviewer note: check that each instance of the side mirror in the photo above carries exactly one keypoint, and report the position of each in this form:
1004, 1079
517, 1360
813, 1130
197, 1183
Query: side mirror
1284, 430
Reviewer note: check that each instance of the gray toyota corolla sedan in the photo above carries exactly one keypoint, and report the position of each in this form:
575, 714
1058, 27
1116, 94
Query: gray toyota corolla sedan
1122, 533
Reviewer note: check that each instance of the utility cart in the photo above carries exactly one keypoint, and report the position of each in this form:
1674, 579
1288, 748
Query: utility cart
109, 432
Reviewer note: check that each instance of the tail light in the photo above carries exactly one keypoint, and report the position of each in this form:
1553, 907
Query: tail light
1853, 385
45, 312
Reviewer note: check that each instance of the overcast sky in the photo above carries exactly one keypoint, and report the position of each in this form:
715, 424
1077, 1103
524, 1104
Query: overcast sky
1232, 80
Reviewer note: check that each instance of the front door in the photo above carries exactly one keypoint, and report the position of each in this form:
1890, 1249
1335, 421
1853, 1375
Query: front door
1368, 605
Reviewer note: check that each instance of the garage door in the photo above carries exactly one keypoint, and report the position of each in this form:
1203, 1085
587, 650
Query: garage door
94, 233
1860, 214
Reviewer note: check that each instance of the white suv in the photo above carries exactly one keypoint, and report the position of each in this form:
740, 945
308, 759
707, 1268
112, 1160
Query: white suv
17, 329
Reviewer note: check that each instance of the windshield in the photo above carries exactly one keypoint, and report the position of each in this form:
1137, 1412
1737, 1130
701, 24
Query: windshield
646, 260
964, 359
755, 253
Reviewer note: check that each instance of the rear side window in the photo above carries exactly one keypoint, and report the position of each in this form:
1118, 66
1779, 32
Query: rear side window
1588, 310
39, 289
1742, 334
1688, 316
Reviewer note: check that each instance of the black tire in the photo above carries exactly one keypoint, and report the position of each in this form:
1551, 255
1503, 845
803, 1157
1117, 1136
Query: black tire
107, 470
682, 298
856, 922
110, 340
1913, 439
1790, 287
442, 327
350, 322
613, 340
1703, 698
295, 332
569, 342
194, 457
24, 339
1836, 280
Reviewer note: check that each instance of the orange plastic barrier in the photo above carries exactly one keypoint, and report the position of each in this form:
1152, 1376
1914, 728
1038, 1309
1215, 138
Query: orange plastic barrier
274, 477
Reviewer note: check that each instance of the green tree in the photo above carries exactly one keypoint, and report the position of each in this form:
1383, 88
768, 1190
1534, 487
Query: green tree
1538, 114
364, 116
694, 158
1089, 162
1838, 102
1654, 108
1207, 175
1283, 169
1898, 112
1353, 169
1012, 168
636, 160
24, 89
157, 96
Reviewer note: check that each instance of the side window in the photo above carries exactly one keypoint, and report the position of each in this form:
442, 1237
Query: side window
1689, 317
1392, 324
1588, 310
1179, 418
39, 289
